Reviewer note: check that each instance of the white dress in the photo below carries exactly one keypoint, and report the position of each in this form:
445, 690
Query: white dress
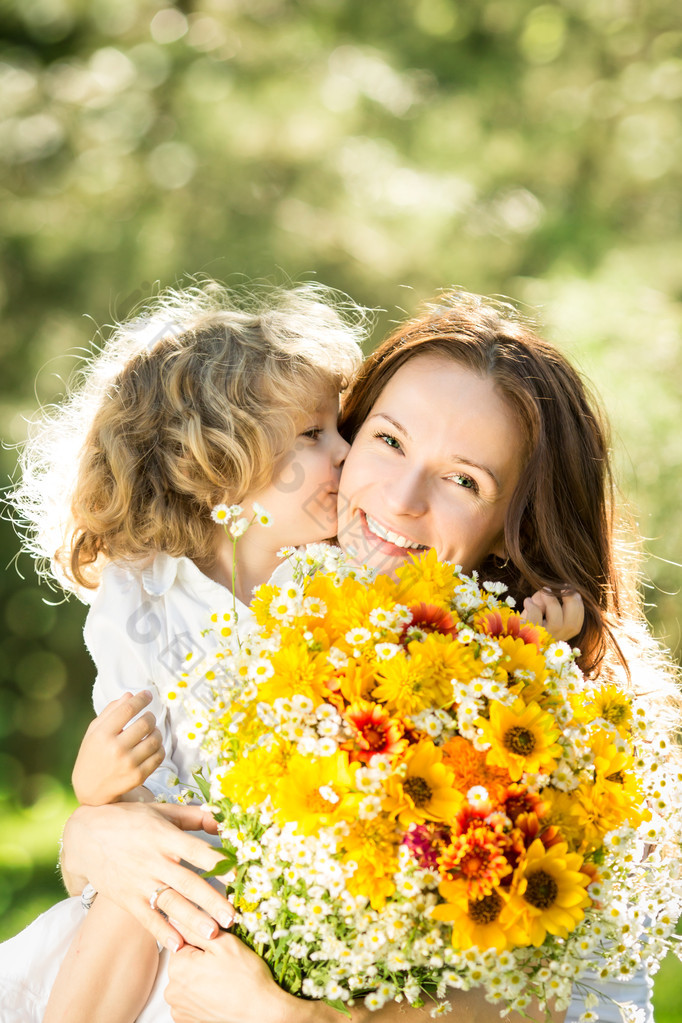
143, 621
142, 624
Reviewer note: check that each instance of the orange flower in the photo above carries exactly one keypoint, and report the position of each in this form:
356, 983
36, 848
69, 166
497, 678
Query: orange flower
469, 768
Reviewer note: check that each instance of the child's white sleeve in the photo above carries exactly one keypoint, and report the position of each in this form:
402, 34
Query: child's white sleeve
125, 635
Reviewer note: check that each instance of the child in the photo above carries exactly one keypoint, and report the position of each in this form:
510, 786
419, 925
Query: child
195, 405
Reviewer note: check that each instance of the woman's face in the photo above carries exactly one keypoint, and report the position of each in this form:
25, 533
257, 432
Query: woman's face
434, 465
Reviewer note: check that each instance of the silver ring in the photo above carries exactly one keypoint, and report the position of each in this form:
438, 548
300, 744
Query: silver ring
154, 897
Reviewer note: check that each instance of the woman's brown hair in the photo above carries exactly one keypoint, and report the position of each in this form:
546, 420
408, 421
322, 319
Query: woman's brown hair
559, 525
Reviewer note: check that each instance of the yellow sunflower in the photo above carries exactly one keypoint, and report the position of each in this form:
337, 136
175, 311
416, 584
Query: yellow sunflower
477, 921
425, 792
522, 738
547, 894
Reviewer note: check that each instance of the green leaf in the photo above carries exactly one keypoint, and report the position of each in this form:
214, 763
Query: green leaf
339, 1005
228, 863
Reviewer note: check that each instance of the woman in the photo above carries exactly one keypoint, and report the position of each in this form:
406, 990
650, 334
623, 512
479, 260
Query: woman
472, 436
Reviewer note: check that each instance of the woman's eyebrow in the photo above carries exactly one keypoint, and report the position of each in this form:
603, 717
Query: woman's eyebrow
461, 460
394, 422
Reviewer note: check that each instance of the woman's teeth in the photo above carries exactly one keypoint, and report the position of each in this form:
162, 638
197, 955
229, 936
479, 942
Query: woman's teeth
394, 538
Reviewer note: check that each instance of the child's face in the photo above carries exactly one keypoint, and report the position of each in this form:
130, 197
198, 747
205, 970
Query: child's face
302, 497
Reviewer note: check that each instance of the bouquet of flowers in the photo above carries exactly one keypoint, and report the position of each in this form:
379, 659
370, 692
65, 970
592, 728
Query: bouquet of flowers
418, 790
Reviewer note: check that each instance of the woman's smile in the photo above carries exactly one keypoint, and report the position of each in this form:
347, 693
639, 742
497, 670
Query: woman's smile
381, 533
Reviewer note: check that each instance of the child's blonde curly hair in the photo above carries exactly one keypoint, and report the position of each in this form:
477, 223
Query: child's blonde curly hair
183, 407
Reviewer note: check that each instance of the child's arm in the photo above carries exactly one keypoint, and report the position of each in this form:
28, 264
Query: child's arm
562, 617
114, 760
108, 971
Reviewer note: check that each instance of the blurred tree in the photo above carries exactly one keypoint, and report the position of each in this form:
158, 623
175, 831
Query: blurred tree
516, 148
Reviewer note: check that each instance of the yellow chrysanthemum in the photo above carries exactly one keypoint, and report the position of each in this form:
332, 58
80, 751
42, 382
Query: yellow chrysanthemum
315, 792
605, 805
522, 738
521, 656
425, 792
355, 680
425, 578
297, 670
373, 845
563, 812
477, 921
350, 605
421, 676
547, 894
610, 703
252, 778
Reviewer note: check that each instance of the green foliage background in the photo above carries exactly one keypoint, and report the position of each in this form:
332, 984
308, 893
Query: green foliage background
388, 148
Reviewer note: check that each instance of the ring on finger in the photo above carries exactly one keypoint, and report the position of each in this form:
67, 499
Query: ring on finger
154, 897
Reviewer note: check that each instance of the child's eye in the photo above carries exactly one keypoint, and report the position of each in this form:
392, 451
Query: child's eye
462, 480
389, 440
313, 433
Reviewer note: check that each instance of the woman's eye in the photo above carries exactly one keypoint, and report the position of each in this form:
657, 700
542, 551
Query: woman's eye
389, 440
462, 480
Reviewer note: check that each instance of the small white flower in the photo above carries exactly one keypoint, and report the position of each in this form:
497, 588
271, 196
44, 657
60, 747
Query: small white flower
263, 518
220, 514
477, 795
238, 528
385, 651
558, 653
356, 637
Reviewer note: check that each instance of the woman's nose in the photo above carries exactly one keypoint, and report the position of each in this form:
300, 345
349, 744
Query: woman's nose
406, 493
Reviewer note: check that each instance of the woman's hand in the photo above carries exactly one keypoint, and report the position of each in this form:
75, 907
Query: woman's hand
128, 851
223, 981
116, 756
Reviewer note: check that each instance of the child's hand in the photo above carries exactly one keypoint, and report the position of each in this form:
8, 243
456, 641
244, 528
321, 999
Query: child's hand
562, 617
114, 759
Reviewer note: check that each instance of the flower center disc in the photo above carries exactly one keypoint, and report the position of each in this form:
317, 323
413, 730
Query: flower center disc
485, 910
519, 740
542, 890
418, 790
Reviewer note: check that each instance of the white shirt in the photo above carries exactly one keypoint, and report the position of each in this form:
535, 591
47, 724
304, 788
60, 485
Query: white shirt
144, 620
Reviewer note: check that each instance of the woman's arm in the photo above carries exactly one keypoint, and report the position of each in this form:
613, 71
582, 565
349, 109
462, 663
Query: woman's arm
128, 851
